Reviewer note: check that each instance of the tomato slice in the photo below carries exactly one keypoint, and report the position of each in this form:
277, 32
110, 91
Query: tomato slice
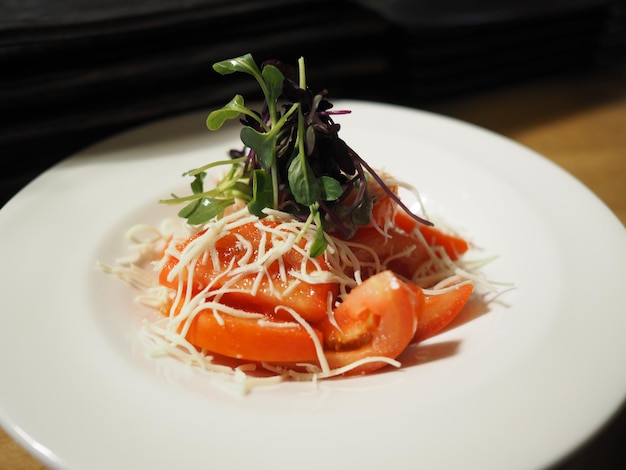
400, 252
377, 318
440, 309
453, 245
384, 206
309, 300
251, 339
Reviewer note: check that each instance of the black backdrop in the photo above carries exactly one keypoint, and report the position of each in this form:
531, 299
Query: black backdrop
73, 72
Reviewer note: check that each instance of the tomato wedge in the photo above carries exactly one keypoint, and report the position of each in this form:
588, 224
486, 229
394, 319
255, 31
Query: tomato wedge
440, 309
309, 300
377, 318
400, 252
454, 246
384, 206
251, 339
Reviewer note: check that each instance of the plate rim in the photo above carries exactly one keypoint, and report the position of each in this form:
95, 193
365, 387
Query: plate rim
50, 459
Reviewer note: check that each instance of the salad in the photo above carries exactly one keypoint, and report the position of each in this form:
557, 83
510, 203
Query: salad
299, 261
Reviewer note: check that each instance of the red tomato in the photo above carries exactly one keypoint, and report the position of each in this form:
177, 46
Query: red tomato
309, 300
384, 206
249, 339
389, 250
380, 317
454, 246
377, 318
440, 309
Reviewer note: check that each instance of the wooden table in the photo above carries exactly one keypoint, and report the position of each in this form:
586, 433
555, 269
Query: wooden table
580, 124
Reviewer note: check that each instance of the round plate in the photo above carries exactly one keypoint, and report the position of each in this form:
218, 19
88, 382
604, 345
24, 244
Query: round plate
519, 381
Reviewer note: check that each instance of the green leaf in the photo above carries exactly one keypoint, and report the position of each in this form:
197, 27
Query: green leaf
244, 63
309, 139
242, 190
304, 186
274, 82
197, 185
331, 188
264, 144
262, 193
231, 110
362, 213
204, 210
319, 242
188, 209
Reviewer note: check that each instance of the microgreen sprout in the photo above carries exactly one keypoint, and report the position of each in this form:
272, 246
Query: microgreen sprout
292, 160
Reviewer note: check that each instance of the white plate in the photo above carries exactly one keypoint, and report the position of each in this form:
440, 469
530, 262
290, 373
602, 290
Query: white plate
519, 386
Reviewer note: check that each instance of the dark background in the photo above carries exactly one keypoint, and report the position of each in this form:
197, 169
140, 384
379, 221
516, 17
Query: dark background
73, 72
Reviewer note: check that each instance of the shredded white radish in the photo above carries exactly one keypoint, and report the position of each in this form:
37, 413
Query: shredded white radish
345, 263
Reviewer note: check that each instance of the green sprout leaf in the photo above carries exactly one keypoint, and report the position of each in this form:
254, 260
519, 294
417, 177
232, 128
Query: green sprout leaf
293, 158
189, 209
331, 188
319, 242
244, 63
197, 185
304, 186
360, 215
274, 81
264, 144
207, 209
262, 193
231, 110
309, 139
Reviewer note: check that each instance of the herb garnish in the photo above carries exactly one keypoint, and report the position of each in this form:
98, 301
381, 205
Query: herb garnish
293, 158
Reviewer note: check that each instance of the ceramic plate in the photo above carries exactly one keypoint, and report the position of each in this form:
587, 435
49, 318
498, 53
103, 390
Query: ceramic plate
518, 382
